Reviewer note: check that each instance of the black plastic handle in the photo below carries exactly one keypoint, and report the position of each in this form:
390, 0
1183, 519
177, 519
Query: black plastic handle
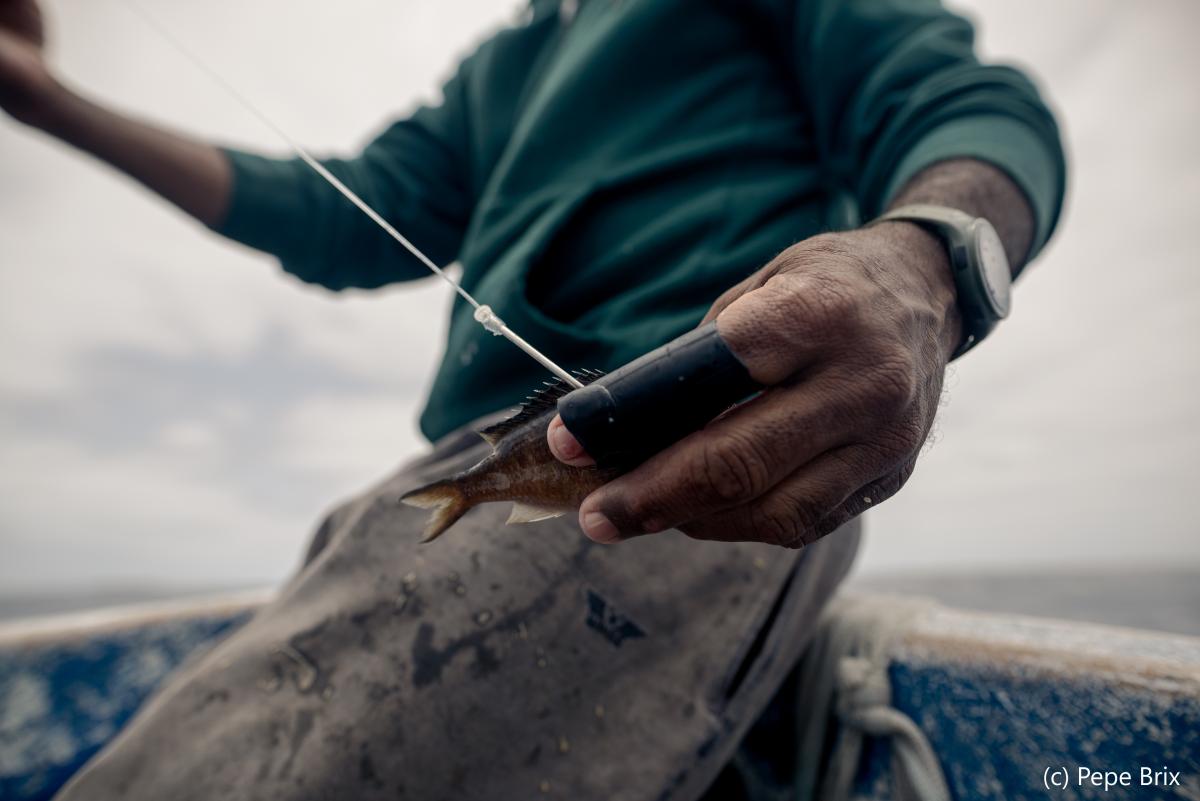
637, 410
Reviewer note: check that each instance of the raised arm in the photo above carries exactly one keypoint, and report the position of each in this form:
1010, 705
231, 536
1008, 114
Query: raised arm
193, 175
414, 173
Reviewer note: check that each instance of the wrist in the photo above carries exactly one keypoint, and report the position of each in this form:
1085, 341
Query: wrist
49, 108
921, 258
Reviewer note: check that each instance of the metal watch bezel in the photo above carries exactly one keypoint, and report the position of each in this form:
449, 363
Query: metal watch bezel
990, 269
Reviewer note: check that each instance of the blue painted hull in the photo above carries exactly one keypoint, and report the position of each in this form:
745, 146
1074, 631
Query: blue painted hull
1003, 700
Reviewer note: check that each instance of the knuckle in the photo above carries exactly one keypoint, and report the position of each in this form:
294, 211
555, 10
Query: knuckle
882, 452
641, 507
893, 383
772, 529
890, 446
814, 294
788, 524
731, 469
910, 436
901, 439
830, 247
828, 306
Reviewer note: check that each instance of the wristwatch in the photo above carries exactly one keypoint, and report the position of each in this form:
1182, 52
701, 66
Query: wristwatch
982, 280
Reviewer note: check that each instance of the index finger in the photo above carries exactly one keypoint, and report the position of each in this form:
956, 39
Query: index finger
673, 390
730, 462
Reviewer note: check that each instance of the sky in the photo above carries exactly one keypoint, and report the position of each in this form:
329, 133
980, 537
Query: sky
174, 410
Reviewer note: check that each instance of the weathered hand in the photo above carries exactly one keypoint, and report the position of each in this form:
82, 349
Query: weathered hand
851, 332
24, 79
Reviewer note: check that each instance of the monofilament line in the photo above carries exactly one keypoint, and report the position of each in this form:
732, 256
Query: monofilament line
483, 313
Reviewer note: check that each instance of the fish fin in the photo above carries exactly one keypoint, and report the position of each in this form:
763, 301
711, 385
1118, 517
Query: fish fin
445, 500
491, 436
530, 513
538, 402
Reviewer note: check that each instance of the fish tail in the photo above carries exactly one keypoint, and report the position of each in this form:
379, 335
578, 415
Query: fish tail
445, 499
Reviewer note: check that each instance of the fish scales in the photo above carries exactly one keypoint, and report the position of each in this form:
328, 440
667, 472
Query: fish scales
520, 469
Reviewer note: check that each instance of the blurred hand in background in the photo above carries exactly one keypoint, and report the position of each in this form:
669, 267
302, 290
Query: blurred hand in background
25, 80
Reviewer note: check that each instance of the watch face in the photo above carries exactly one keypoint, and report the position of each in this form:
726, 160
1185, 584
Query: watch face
993, 267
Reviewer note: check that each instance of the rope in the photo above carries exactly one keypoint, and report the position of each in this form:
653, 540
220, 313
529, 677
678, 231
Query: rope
844, 673
483, 313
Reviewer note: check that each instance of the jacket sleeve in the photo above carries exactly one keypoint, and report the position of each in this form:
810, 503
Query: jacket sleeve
894, 86
415, 174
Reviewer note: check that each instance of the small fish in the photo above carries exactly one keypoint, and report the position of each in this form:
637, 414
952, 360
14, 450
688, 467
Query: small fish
520, 469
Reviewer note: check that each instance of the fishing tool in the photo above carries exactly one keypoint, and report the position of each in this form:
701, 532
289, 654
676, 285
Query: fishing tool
628, 415
622, 418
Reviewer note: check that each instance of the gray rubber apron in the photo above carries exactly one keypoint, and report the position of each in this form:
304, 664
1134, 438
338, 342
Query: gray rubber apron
500, 662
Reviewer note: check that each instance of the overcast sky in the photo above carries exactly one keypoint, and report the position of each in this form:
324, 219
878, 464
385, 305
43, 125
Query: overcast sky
174, 409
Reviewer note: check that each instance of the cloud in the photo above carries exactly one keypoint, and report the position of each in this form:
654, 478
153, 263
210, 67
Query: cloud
172, 408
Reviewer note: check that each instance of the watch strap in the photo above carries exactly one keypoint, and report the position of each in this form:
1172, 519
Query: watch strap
943, 218
952, 226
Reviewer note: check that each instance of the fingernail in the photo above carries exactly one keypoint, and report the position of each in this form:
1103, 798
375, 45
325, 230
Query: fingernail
599, 528
564, 446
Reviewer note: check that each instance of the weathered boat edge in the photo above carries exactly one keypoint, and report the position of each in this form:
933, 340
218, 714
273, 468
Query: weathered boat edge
68, 683
1002, 699
1013, 705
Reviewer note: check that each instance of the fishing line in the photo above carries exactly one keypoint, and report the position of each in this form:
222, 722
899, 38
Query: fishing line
483, 313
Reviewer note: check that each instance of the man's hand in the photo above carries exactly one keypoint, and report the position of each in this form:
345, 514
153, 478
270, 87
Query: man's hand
25, 81
851, 332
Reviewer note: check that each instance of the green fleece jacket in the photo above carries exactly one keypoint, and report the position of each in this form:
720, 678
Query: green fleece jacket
604, 173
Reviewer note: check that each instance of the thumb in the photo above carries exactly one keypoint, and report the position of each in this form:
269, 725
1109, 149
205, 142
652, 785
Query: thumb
565, 447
